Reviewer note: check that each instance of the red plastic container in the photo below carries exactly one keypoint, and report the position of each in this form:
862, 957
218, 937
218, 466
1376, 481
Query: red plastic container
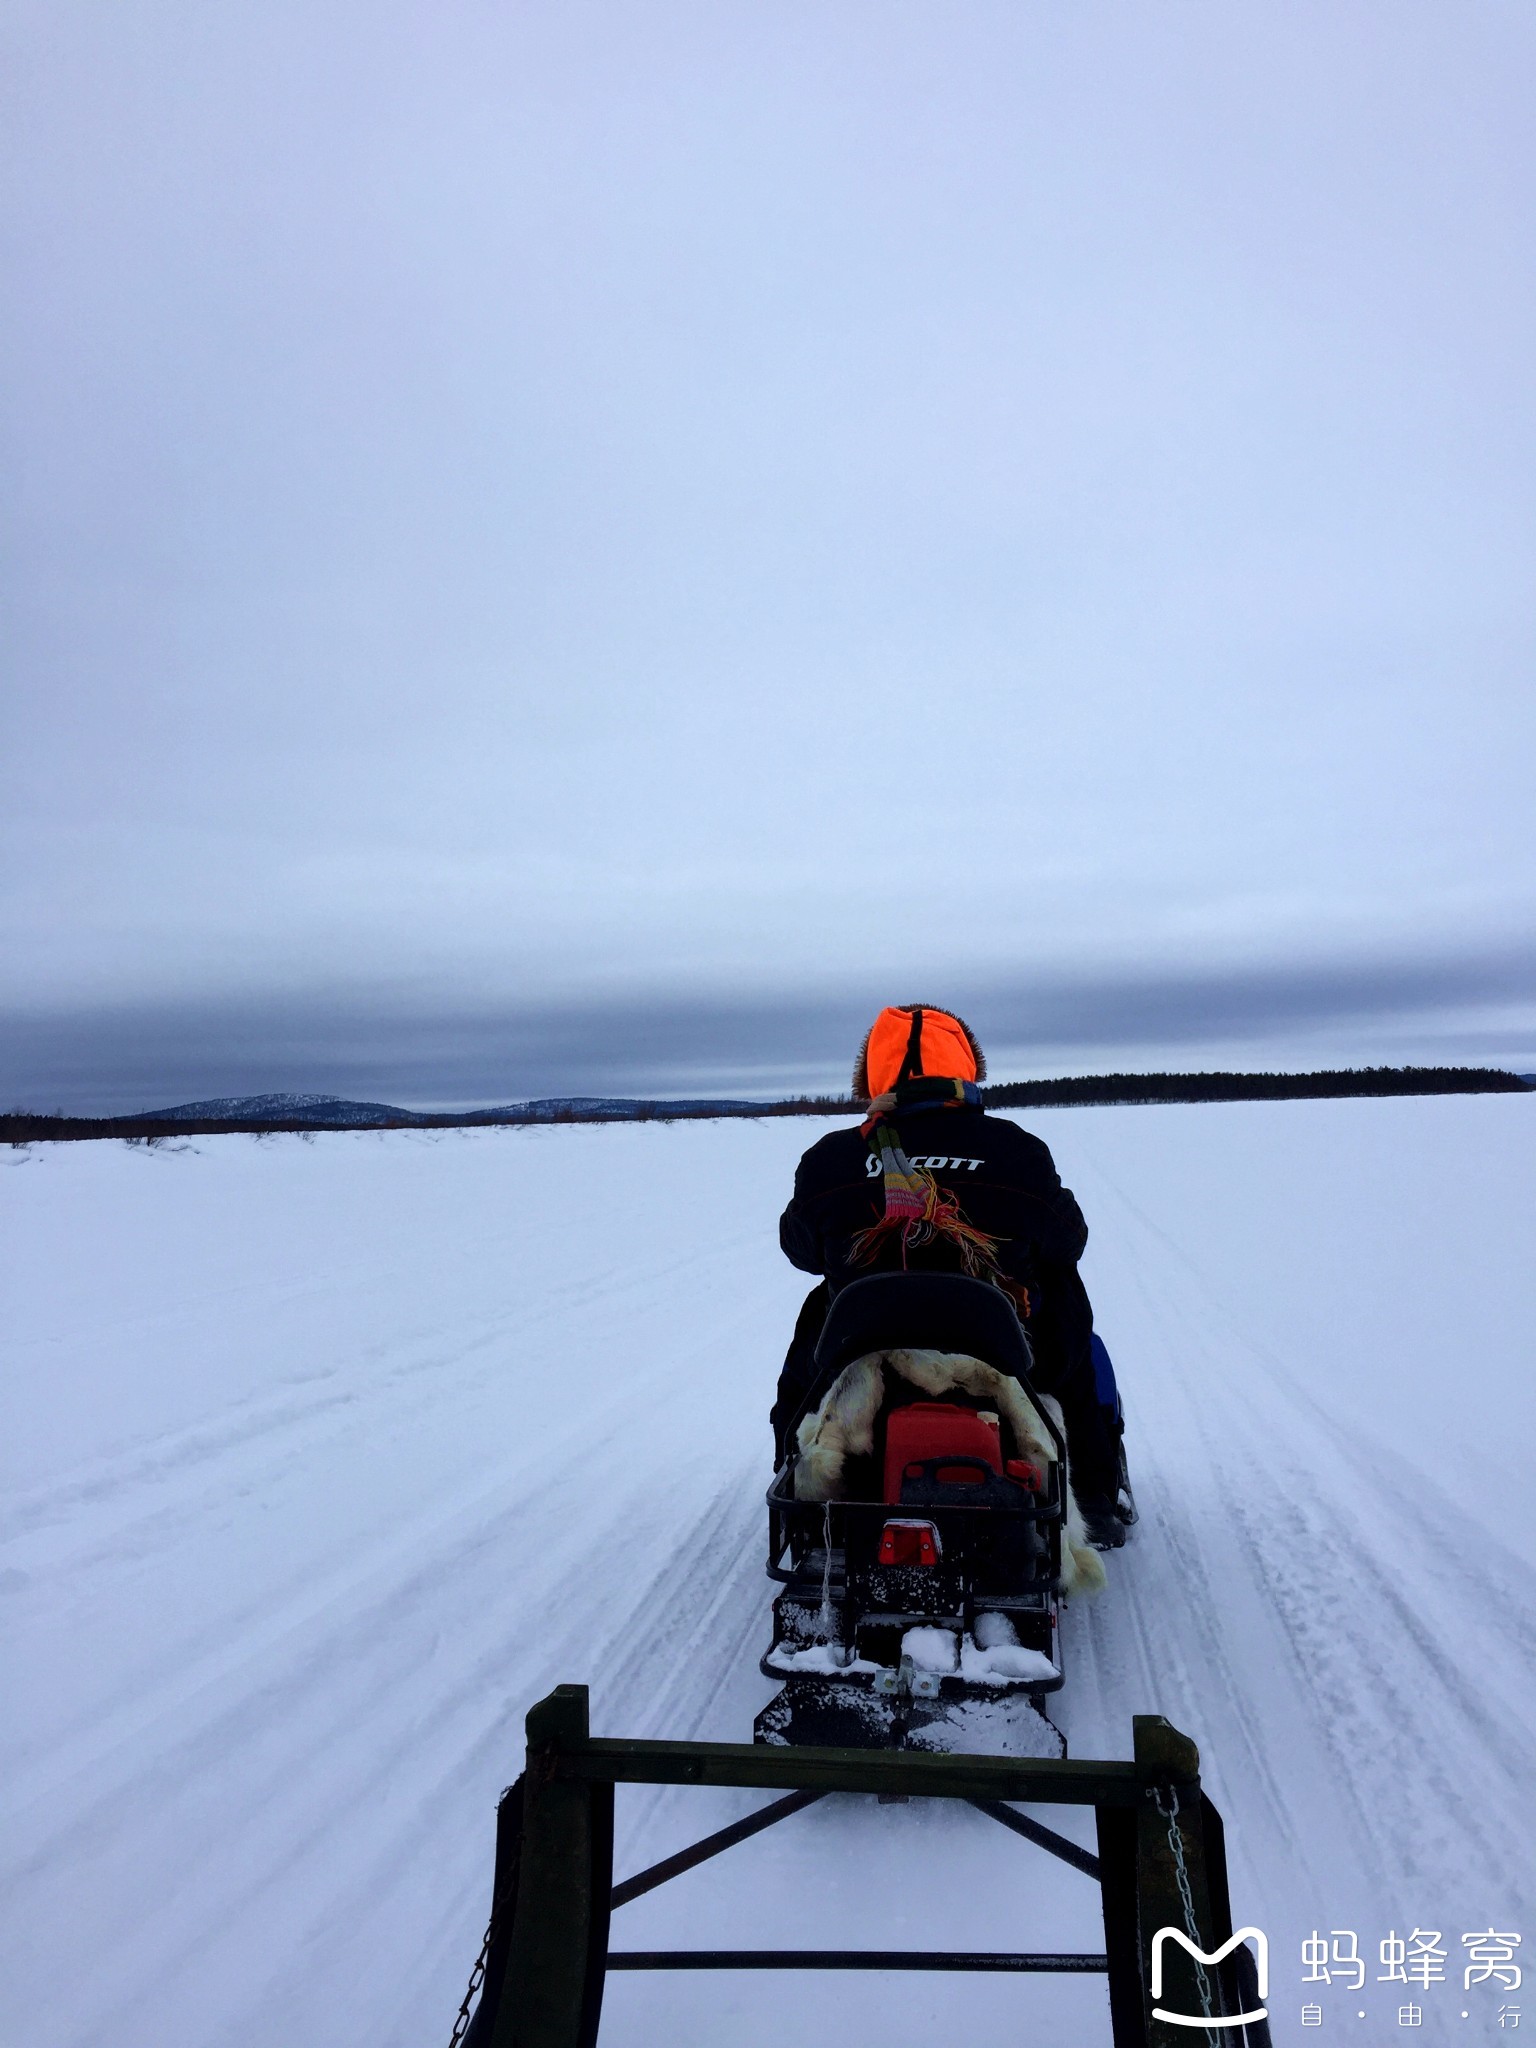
938, 1429
1026, 1473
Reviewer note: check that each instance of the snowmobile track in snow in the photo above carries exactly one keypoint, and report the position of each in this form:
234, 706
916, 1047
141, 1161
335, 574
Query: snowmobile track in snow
331, 1458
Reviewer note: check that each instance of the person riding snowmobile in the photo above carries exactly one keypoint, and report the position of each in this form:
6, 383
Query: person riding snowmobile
930, 1182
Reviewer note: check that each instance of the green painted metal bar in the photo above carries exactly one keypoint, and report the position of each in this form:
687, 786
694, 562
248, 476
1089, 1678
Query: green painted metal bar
712, 1845
1169, 1835
1043, 1838
1117, 1892
555, 1967
855, 1959
1025, 1780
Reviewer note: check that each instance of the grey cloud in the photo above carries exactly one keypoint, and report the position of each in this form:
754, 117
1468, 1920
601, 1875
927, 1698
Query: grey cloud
505, 495
383, 1047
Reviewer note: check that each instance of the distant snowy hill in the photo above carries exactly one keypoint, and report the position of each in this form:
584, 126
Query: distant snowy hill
286, 1109
336, 1109
292, 1111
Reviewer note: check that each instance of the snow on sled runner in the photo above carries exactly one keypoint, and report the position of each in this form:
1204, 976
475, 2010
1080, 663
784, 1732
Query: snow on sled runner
923, 1531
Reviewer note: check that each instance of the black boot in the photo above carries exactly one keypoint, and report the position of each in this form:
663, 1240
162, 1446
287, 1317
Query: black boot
1102, 1520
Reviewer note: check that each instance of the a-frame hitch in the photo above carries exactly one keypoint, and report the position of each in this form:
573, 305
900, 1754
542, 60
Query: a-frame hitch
1176, 1977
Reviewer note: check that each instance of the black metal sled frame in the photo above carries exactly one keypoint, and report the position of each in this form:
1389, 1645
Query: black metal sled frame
798, 1529
1003, 1558
547, 1951
999, 1554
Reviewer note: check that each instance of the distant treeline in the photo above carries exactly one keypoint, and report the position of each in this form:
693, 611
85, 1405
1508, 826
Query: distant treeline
21, 1127
1131, 1088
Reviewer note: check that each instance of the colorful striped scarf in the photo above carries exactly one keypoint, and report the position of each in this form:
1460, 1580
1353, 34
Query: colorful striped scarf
918, 1211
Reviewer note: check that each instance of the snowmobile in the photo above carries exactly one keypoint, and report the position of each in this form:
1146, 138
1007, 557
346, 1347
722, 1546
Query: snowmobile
921, 1607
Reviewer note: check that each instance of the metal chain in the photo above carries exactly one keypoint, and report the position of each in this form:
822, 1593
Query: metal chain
1170, 1813
477, 1974
476, 1979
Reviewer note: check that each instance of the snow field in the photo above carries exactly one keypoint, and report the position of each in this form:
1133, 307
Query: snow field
324, 1459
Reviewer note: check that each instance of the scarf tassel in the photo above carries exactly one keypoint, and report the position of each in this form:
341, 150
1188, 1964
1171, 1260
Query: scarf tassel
919, 1212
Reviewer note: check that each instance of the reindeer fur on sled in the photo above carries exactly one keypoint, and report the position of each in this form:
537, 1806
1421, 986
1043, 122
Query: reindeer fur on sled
843, 1427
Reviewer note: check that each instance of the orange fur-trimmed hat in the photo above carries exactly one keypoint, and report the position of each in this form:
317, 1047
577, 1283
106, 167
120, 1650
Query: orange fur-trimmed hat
944, 1045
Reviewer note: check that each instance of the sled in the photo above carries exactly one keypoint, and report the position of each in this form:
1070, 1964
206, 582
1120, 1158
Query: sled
1175, 1973
922, 1611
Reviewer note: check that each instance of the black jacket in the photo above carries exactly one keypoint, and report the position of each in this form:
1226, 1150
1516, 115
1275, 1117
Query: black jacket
1005, 1179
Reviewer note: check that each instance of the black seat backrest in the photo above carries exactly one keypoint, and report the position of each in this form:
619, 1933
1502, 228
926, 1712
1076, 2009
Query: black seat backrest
921, 1312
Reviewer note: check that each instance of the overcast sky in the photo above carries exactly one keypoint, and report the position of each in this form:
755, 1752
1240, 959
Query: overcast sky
564, 545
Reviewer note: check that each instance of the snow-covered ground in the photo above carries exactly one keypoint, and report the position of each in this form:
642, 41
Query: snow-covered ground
325, 1459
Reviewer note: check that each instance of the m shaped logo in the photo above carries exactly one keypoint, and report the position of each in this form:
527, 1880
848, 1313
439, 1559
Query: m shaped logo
1186, 2019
